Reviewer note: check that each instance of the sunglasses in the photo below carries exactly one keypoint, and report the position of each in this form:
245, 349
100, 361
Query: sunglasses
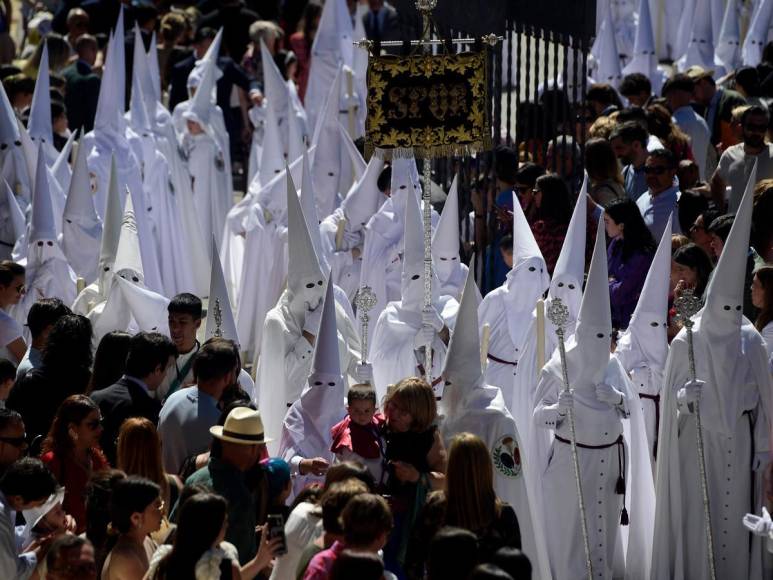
15, 441
655, 170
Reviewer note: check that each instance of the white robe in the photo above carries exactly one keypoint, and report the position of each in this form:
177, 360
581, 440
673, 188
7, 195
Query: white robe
680, 549
616, 551
285, 363
482, 411
393, 353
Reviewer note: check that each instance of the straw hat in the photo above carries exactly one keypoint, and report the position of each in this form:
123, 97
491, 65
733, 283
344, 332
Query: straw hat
243, 425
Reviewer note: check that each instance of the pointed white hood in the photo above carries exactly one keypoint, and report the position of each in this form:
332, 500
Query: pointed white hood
700, 48
111, 230
308, 206
445, 241
128, 263
307, 425
304, 274
462, 364
141, 108
39, 126
645, 60
364, 197
717, 329
332, 48
81, 226
220, 315
61, 167
757, 35
112, 90
569, 272
588, 353
646, 340
149, 309
15, 215
274, 86
153, 72
728, 48
205, 73
326, 169
42, 224
9, 130
272, 159
412, 281
605, 52
353, 154
296, 124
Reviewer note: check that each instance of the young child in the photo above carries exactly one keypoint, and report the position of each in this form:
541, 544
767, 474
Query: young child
358, 436
49, 518
280, 485
7, 378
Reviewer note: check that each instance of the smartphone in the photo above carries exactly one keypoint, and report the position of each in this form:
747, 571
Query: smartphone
276, 529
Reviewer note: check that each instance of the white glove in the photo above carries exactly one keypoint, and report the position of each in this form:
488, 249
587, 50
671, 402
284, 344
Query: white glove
609, 395
759, 525
425, 336
565, 401
364, 373
690, 392
311, 324
430, 317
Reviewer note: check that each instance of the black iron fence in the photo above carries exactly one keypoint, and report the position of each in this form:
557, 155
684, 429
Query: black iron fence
538, 79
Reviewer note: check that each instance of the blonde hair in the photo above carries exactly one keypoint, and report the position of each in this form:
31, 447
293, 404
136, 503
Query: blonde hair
138, 451
737, 113
601, 128
678, 240
416, 397
470, 497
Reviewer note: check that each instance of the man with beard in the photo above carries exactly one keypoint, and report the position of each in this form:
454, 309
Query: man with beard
629, 142
737, 161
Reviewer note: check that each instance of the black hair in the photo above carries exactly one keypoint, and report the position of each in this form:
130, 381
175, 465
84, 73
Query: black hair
384, 180
748, 79
144, 13
721, 226
630, 132
204, 33
506, 243
678, 82
98, 493
605, 94
185, 303
352, 565
691, 205
69, 344
361, 393
505, 163
635, 114
556, 201
695, 257
10, 270
453, 553
18, 84
489, 572
57, 108
9, 417
147, 351
200, 520
28, 478
664, 155
110, 359
57, 80
7, 370
755, 111
64, 542
528, 173
215, 359
637, 237
634, 84
514, 562
44, 313
7, 70
131, 495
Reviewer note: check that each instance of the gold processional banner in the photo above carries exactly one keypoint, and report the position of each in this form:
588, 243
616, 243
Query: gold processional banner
428, 106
